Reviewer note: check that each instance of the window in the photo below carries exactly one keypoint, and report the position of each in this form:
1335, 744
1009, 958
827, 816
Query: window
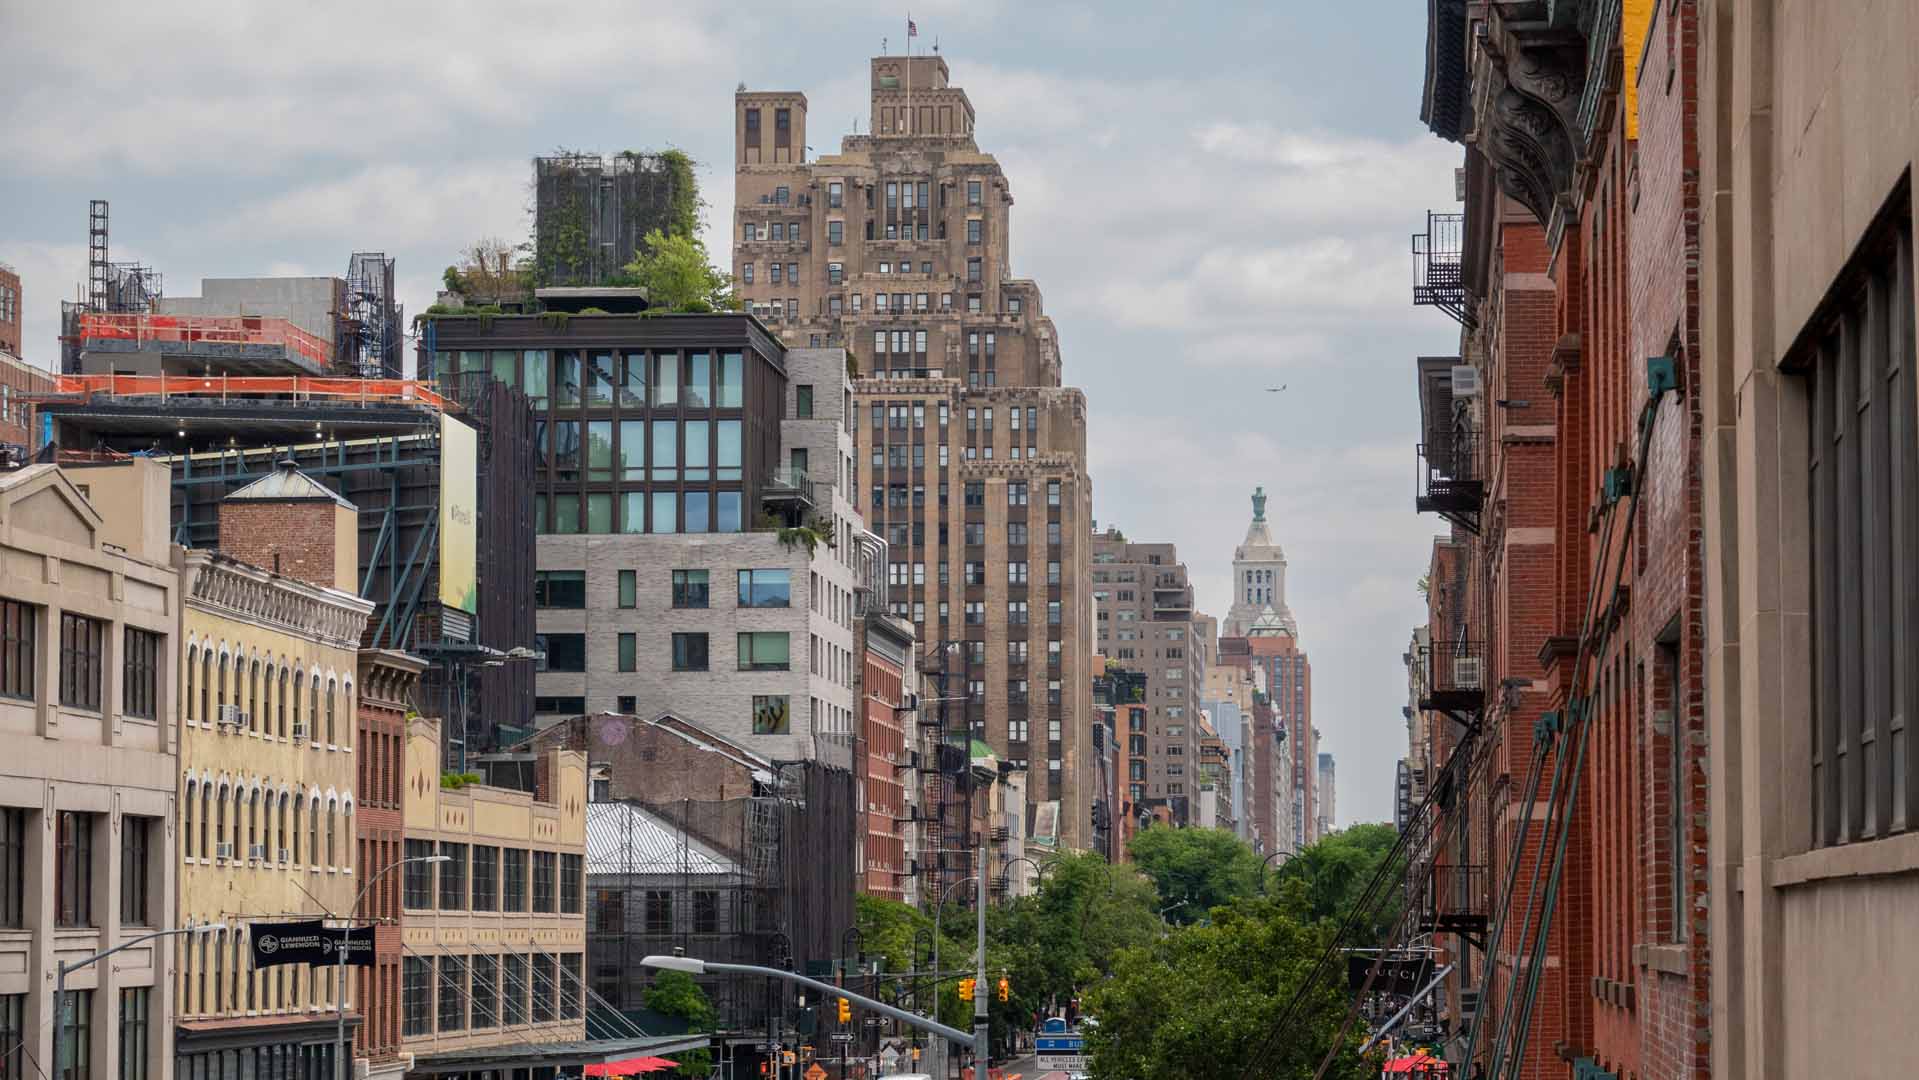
543, 874
513, 879
835, 194
73, 868
973, 193
13, 867
1016, 573
746, 269
973, 274
803, 401
1864, 465
564, 652
136, 1038
689, 588
835, 235
1016, 612
486, 991
572, 884
689, 652
452, 1013
629, 588
18, 624
419, 876
453, 877
141, 674
544, 990
773, 270
772, 714
629, 652
572, 986
136, 841
82, 646
76, 1036
559, 589
659, 911
1016, 534
1016, 493
514, 986
974, 228
706, 912
766, 588
486, 878
764, 651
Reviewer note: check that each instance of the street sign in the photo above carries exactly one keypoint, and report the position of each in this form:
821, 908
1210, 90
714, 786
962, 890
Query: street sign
1066, 1063
875, 1021
842, 1036
1059, 1044
1055, 1025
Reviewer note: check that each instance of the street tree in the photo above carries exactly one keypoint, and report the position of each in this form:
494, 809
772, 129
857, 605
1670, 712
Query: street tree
1195, 870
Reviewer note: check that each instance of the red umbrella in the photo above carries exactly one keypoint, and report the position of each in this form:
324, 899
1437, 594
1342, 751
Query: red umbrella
1419, 1064
631, 1067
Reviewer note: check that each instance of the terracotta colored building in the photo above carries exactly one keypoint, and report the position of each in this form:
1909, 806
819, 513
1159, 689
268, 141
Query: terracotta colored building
888, 674
387, 683
1564, 645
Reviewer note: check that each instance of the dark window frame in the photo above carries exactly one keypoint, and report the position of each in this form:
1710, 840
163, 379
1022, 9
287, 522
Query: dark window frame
19, 648
73, 869
140, 673
83, 646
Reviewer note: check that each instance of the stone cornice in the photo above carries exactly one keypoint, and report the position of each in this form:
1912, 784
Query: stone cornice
228, 587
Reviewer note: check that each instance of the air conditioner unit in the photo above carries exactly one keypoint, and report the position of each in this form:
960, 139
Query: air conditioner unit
243, 719
909, 702
1465, 381
286, 855
299, 731
1466, 671
227, 715
223, 850
257, 853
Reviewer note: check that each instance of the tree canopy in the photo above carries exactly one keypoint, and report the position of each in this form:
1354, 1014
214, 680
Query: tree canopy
1195, 870
674, 993
674, 271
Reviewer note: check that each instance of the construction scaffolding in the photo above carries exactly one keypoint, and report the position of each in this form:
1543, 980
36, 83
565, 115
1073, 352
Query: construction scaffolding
590, 213
766, 879
112, 288
372, 329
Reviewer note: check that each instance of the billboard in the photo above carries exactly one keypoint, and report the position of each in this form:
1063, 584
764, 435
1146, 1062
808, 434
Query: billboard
459, 514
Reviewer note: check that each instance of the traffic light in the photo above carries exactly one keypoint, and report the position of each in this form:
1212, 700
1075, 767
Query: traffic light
966, 989
846, 1011
1005, 988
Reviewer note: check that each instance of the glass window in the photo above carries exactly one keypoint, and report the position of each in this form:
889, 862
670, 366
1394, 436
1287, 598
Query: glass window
82, 650
566, 448
666, 452
665, 512
566, 514
572, 885
136, 838
697, 518
973, 193
486, 878
599, 450
632, 449
726, 512
545, 989
486, 991
453, 873
699, 381
564, 652
689, 588
140, 669
629, 652
766, 588
666, 379
514, 986
136, 1020
599, 512
764, 651
633, 511
452, 1012
76, 1035
73, 869
698, 449
629, 588
543, 875
512, 879
418, 894
600, 379
567, 375
633, 380
729, 449
13, 866
18, 630
732, 381
689, 652
772, 715
537, 362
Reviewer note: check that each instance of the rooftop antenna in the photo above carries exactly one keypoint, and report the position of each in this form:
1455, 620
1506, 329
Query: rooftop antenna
936, 43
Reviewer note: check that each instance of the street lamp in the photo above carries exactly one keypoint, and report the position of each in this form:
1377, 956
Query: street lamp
61, 968
339, 961
1263, 863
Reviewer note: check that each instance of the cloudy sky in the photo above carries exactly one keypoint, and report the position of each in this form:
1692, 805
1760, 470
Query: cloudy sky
1215, 198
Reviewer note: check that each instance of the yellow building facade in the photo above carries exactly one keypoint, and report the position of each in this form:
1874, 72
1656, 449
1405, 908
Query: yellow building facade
494, 938
267, 804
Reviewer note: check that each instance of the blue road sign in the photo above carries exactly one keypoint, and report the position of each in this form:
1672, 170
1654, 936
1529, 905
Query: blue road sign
1059, 1044
1055, 1025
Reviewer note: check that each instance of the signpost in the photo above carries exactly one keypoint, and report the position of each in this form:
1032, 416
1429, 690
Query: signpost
310, 941
1059, 1048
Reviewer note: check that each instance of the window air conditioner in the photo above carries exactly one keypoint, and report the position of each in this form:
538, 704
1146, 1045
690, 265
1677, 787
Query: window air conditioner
1465, 381
286, 855
223, 850
1466, 671
257, 853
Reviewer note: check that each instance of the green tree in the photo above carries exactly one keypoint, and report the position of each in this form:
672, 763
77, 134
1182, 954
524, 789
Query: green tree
674, 993
1195, 870
1201, 1002
675, 272
1328, 878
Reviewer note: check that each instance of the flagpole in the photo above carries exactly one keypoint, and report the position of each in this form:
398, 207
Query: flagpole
909, 70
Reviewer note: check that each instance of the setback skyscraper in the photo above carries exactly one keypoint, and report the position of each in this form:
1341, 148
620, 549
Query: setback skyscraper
971, 455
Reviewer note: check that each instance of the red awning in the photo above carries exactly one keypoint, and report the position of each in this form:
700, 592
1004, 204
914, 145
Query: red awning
631, 1067
1417, 1065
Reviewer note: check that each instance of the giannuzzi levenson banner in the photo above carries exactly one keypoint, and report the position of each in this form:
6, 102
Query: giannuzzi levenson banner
310, 942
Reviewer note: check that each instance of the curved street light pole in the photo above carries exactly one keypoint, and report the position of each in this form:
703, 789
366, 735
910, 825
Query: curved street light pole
61, 969
1264, 863
340, 1066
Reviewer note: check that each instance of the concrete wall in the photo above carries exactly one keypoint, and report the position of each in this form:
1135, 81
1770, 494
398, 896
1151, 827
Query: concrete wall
313, 304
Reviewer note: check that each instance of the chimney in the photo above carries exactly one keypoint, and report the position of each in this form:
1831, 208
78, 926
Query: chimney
295, 526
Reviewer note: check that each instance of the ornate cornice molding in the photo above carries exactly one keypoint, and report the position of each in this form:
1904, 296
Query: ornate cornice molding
239, 590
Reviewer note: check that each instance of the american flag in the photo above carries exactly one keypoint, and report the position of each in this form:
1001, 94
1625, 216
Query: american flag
912, 28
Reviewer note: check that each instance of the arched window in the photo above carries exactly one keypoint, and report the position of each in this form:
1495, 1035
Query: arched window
220, 820
280, 826
254, 716
193, 661
221, 700
313, 709
299, 808
216, 985
298, 736
313, 832
206, 685
332, 694
186, 817
332, 823
253, 822
280, 704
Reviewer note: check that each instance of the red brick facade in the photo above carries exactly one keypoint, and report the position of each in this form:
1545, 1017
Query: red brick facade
882, 749
286, 536
387, 682
1576, 607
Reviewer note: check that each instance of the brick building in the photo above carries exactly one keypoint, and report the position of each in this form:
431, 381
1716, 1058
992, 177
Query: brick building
388, 681
1564, 644
1145, 623
974, 458
888, 674
9, 310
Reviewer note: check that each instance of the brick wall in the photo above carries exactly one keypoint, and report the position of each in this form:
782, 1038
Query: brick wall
291, 538
651, 762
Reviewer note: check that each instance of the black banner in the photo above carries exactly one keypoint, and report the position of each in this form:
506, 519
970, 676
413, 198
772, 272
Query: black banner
1393, 977
311, 942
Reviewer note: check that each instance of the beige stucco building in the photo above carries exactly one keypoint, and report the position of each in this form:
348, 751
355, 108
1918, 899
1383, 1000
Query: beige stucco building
267, 773
1808, 133
89, 609
495, 939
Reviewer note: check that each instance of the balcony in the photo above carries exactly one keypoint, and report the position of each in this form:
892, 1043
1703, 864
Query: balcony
792, 489
1455, 676
1438, 278
1450, 479
1458, 900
